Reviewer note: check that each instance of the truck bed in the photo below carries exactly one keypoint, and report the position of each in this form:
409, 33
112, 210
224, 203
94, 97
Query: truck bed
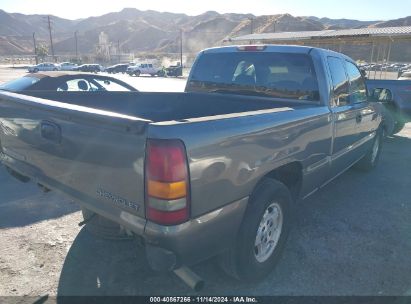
158, 107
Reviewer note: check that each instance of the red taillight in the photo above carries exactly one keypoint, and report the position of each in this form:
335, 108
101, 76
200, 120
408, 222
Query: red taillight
166, 161
251, 48
167, 183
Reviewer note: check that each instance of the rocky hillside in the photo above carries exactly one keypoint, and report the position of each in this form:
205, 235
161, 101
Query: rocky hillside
152, 31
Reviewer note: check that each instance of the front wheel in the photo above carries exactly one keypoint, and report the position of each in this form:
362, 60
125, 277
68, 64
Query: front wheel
398, 126
262, 235
370, 160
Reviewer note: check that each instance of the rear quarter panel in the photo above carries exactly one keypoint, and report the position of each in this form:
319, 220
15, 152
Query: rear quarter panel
228, 156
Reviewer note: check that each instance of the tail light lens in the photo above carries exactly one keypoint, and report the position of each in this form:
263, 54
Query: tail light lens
251, 48
167, 182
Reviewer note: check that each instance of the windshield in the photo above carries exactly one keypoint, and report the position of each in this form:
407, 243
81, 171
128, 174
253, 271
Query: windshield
19, 84
280, 75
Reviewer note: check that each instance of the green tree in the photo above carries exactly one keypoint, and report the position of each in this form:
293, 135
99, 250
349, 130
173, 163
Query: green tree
42, 51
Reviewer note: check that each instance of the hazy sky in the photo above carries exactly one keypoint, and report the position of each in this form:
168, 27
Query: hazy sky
350, 9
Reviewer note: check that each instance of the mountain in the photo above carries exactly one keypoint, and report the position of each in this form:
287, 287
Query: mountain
397, 22
334, 24
156, 32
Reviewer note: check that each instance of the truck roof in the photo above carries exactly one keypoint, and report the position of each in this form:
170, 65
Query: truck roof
275, 48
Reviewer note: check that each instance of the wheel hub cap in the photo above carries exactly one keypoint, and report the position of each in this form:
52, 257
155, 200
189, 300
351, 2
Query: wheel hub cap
268, 232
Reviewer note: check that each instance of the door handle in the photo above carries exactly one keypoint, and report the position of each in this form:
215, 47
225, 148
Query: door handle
50, 131
358, 118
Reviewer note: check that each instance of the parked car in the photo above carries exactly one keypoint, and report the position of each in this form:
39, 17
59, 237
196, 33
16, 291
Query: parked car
65, 82
45, 66
395, 96
174, 70
145, 68
406, 75
214, 171
117, 68
67, 66
92, 68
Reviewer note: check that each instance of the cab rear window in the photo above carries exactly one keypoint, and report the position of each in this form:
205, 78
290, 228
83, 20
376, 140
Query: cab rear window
280, 75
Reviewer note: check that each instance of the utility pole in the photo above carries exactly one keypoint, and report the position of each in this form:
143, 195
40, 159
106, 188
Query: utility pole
251, 25
35, 48
51, 38
181, 48
274, 24
118, 50
75, 38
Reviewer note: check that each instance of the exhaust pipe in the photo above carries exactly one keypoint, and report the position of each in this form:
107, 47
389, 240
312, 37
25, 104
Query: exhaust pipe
190, 278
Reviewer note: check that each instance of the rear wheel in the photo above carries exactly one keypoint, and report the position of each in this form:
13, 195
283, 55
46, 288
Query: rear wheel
262, 235
102, 227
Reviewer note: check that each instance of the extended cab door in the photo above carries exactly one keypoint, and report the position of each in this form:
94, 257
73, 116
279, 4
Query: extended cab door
367, 115
347, 116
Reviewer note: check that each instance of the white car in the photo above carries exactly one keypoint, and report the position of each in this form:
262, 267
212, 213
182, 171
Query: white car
405, 76
144, 68
45, 66
67, 66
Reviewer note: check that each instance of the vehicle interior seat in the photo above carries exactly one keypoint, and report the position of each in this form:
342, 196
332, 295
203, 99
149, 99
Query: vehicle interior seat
245, 79
82, 85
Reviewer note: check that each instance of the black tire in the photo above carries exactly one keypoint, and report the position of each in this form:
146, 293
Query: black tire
370, 160
398, 126
137, 73
102, 227
35, 70
241, 261
54, 69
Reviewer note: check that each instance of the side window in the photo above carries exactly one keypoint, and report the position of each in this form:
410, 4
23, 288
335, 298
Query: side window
340, 81
380, 95
77, 85
358, 92
150, 65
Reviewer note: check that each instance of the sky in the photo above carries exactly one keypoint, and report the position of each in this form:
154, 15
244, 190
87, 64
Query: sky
349, 9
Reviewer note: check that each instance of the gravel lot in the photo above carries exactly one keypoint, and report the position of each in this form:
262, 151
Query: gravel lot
351, 238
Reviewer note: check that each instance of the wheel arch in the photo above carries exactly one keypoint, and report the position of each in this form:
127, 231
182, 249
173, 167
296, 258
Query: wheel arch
290, 174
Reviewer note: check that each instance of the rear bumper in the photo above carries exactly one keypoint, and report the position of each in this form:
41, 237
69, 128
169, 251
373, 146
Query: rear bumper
167, 247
